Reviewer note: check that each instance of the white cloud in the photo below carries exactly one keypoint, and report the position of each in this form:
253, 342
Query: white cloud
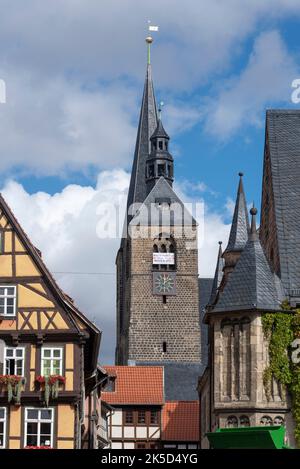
64, 227
74, 74
56, 126
267, 76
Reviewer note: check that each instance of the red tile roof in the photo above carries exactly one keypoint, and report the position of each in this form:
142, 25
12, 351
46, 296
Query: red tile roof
180, 421
136, 385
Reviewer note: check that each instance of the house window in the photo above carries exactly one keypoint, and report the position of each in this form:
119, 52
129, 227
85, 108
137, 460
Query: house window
2, 427
141, 445
154, 417
38, 427
128, 417
14, 360
7, 300
52, 361
141, 416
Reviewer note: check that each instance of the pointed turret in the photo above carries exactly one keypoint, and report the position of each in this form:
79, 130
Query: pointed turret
252, 285
238, 233
240, 222
218, 276
147, 125
159, 162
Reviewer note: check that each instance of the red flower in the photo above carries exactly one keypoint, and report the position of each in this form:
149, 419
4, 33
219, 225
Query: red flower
12, 379
52, 379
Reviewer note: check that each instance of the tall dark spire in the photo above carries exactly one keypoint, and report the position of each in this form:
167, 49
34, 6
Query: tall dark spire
218, 276
147, 124
252, 284
240, 222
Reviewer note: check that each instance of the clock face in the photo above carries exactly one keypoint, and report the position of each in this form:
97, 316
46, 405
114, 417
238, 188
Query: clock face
164, 283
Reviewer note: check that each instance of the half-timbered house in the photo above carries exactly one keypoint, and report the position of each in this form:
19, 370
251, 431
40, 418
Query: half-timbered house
48, 351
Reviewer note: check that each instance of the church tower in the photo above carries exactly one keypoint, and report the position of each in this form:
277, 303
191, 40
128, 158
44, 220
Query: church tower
157, 263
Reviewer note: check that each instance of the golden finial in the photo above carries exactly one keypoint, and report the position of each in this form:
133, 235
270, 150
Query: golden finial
149, 41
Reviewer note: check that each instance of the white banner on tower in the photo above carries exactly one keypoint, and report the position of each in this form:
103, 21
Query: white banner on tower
163, 258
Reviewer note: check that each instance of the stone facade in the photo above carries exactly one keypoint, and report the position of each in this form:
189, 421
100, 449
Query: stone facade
153, 320
235, 387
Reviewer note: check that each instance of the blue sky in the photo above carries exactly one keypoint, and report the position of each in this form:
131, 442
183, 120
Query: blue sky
74, 76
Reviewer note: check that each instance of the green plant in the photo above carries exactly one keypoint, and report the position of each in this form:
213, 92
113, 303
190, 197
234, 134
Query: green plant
14, 385
280, 329
51, 386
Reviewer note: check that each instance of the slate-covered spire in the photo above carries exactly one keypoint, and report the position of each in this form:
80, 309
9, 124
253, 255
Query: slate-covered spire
218, 276
252, 285
160, 161
240, 223
147, 124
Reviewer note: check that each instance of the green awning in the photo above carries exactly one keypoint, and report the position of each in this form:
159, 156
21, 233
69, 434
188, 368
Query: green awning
248, 437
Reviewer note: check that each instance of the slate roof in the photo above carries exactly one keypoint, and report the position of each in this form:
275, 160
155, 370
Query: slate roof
180, 421
218, 276
180, 379
159, 131
147, 124
150, 214
283, 135
140, 385
240, 223
252, 284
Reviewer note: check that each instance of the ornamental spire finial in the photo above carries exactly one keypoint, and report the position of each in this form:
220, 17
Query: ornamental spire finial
149, 40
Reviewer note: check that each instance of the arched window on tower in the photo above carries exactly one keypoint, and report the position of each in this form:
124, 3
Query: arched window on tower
164, 253
266, 421
232, 422
244, 421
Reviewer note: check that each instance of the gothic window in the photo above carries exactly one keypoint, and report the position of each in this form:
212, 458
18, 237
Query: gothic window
278, 420
266, 420
232, 422
164, 245
235, 359
244, 421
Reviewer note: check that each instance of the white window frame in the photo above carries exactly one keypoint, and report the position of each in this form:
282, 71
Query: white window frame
51, 358
3, 446
5, 296
39, 420
15, 358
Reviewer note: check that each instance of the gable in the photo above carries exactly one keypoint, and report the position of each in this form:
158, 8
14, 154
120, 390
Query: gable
150, 213
37, 306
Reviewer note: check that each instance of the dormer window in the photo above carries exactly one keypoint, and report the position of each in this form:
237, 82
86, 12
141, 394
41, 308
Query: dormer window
7, 300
